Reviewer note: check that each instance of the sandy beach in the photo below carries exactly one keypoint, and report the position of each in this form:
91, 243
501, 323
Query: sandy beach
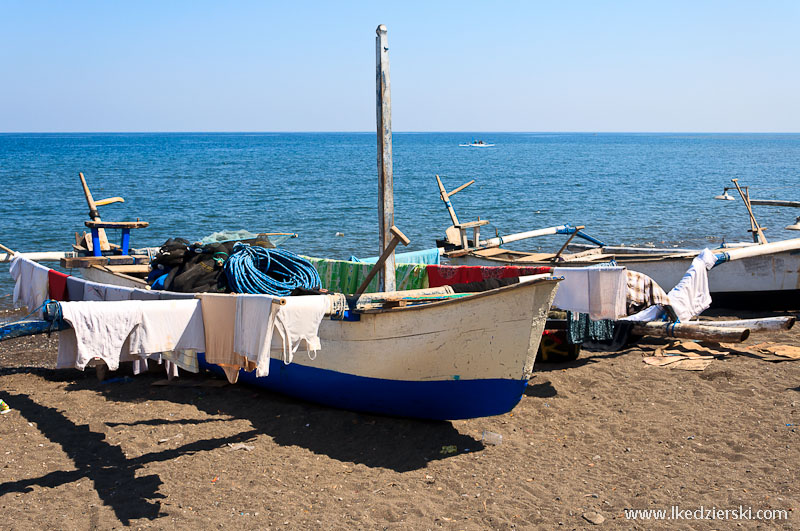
592, 437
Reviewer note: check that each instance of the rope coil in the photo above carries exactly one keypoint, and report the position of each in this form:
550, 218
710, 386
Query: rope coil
257, 270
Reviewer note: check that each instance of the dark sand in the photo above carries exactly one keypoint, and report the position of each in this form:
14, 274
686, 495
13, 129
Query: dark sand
602, 434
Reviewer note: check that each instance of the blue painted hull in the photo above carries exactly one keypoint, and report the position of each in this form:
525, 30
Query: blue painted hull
437, 400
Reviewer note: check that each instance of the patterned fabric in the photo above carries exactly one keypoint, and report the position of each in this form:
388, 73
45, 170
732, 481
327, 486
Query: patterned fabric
643, 292
446, 275
185, 359
580, 328
342, 276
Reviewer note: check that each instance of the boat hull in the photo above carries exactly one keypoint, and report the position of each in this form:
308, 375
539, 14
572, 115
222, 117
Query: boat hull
462, 358
756, 282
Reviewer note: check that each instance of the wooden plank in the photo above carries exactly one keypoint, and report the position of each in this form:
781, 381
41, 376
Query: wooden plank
117, 224
89, 261
132, 269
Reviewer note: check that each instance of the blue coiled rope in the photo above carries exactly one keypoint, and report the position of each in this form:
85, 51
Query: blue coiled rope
253, 269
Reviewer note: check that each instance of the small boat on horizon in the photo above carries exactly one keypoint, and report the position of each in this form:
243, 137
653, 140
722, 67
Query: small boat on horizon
477, 143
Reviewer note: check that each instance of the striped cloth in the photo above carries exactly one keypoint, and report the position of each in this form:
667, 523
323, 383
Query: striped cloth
643, 292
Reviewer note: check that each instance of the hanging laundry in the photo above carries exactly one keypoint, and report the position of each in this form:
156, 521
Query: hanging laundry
255, 322
643, 292
31, 283
76, 288
92, 291
57, 285
219, 320
426, 257
691, 296
342, 276
144, 295
299, 320
445, 275
168, 326
99, 330
118, 293
598, 291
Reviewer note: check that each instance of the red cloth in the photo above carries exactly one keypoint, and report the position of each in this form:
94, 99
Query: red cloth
58, 285
446, 275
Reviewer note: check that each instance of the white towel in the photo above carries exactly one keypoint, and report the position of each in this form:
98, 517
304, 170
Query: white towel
299, 320
255, 322
691, 296
598, 291
99, 330
31, 282
168, 325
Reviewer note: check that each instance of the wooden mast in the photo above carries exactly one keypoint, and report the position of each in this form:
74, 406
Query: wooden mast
385, 190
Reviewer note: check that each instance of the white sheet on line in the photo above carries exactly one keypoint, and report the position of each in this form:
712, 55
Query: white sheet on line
31, 282
599, 291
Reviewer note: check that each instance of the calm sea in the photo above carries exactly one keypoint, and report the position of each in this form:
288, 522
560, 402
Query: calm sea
626, 188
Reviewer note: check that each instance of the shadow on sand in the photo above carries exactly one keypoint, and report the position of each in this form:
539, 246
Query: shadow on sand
374, 441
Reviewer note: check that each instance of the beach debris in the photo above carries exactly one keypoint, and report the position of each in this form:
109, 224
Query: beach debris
216, 478
241, 446
594, 517
449, 449
684, 355
4, 408
490, 437
178, 436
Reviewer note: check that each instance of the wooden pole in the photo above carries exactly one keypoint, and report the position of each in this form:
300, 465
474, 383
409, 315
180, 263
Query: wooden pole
692, 331
93, 213
397, 237
755, 228
386, 186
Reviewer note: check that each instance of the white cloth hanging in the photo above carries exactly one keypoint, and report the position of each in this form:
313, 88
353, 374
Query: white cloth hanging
691, 296
255, 322
598, 291
31, 284
298, 320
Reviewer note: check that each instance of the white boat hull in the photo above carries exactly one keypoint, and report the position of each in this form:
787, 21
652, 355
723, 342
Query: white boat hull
463, 357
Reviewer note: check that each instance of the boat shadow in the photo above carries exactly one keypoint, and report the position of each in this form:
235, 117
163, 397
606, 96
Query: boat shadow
399, 444
375, 441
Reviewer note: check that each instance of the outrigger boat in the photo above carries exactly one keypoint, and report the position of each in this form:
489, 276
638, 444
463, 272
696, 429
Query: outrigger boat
758, 274
431, 354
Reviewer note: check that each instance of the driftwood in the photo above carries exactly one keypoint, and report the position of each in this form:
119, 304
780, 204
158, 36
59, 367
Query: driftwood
692, 331
755, 325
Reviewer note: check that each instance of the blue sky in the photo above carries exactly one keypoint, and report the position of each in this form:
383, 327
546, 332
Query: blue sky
455, 66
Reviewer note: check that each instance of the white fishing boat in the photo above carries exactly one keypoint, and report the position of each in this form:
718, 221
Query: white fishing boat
758, 274
420, 353
477, 144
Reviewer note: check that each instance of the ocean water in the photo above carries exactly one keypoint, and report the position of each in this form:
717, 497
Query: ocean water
654, 189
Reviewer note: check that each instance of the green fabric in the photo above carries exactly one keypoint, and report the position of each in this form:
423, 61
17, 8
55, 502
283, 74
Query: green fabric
580, 328
342, 276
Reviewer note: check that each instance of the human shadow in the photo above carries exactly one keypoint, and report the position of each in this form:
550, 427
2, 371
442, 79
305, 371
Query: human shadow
112, 473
